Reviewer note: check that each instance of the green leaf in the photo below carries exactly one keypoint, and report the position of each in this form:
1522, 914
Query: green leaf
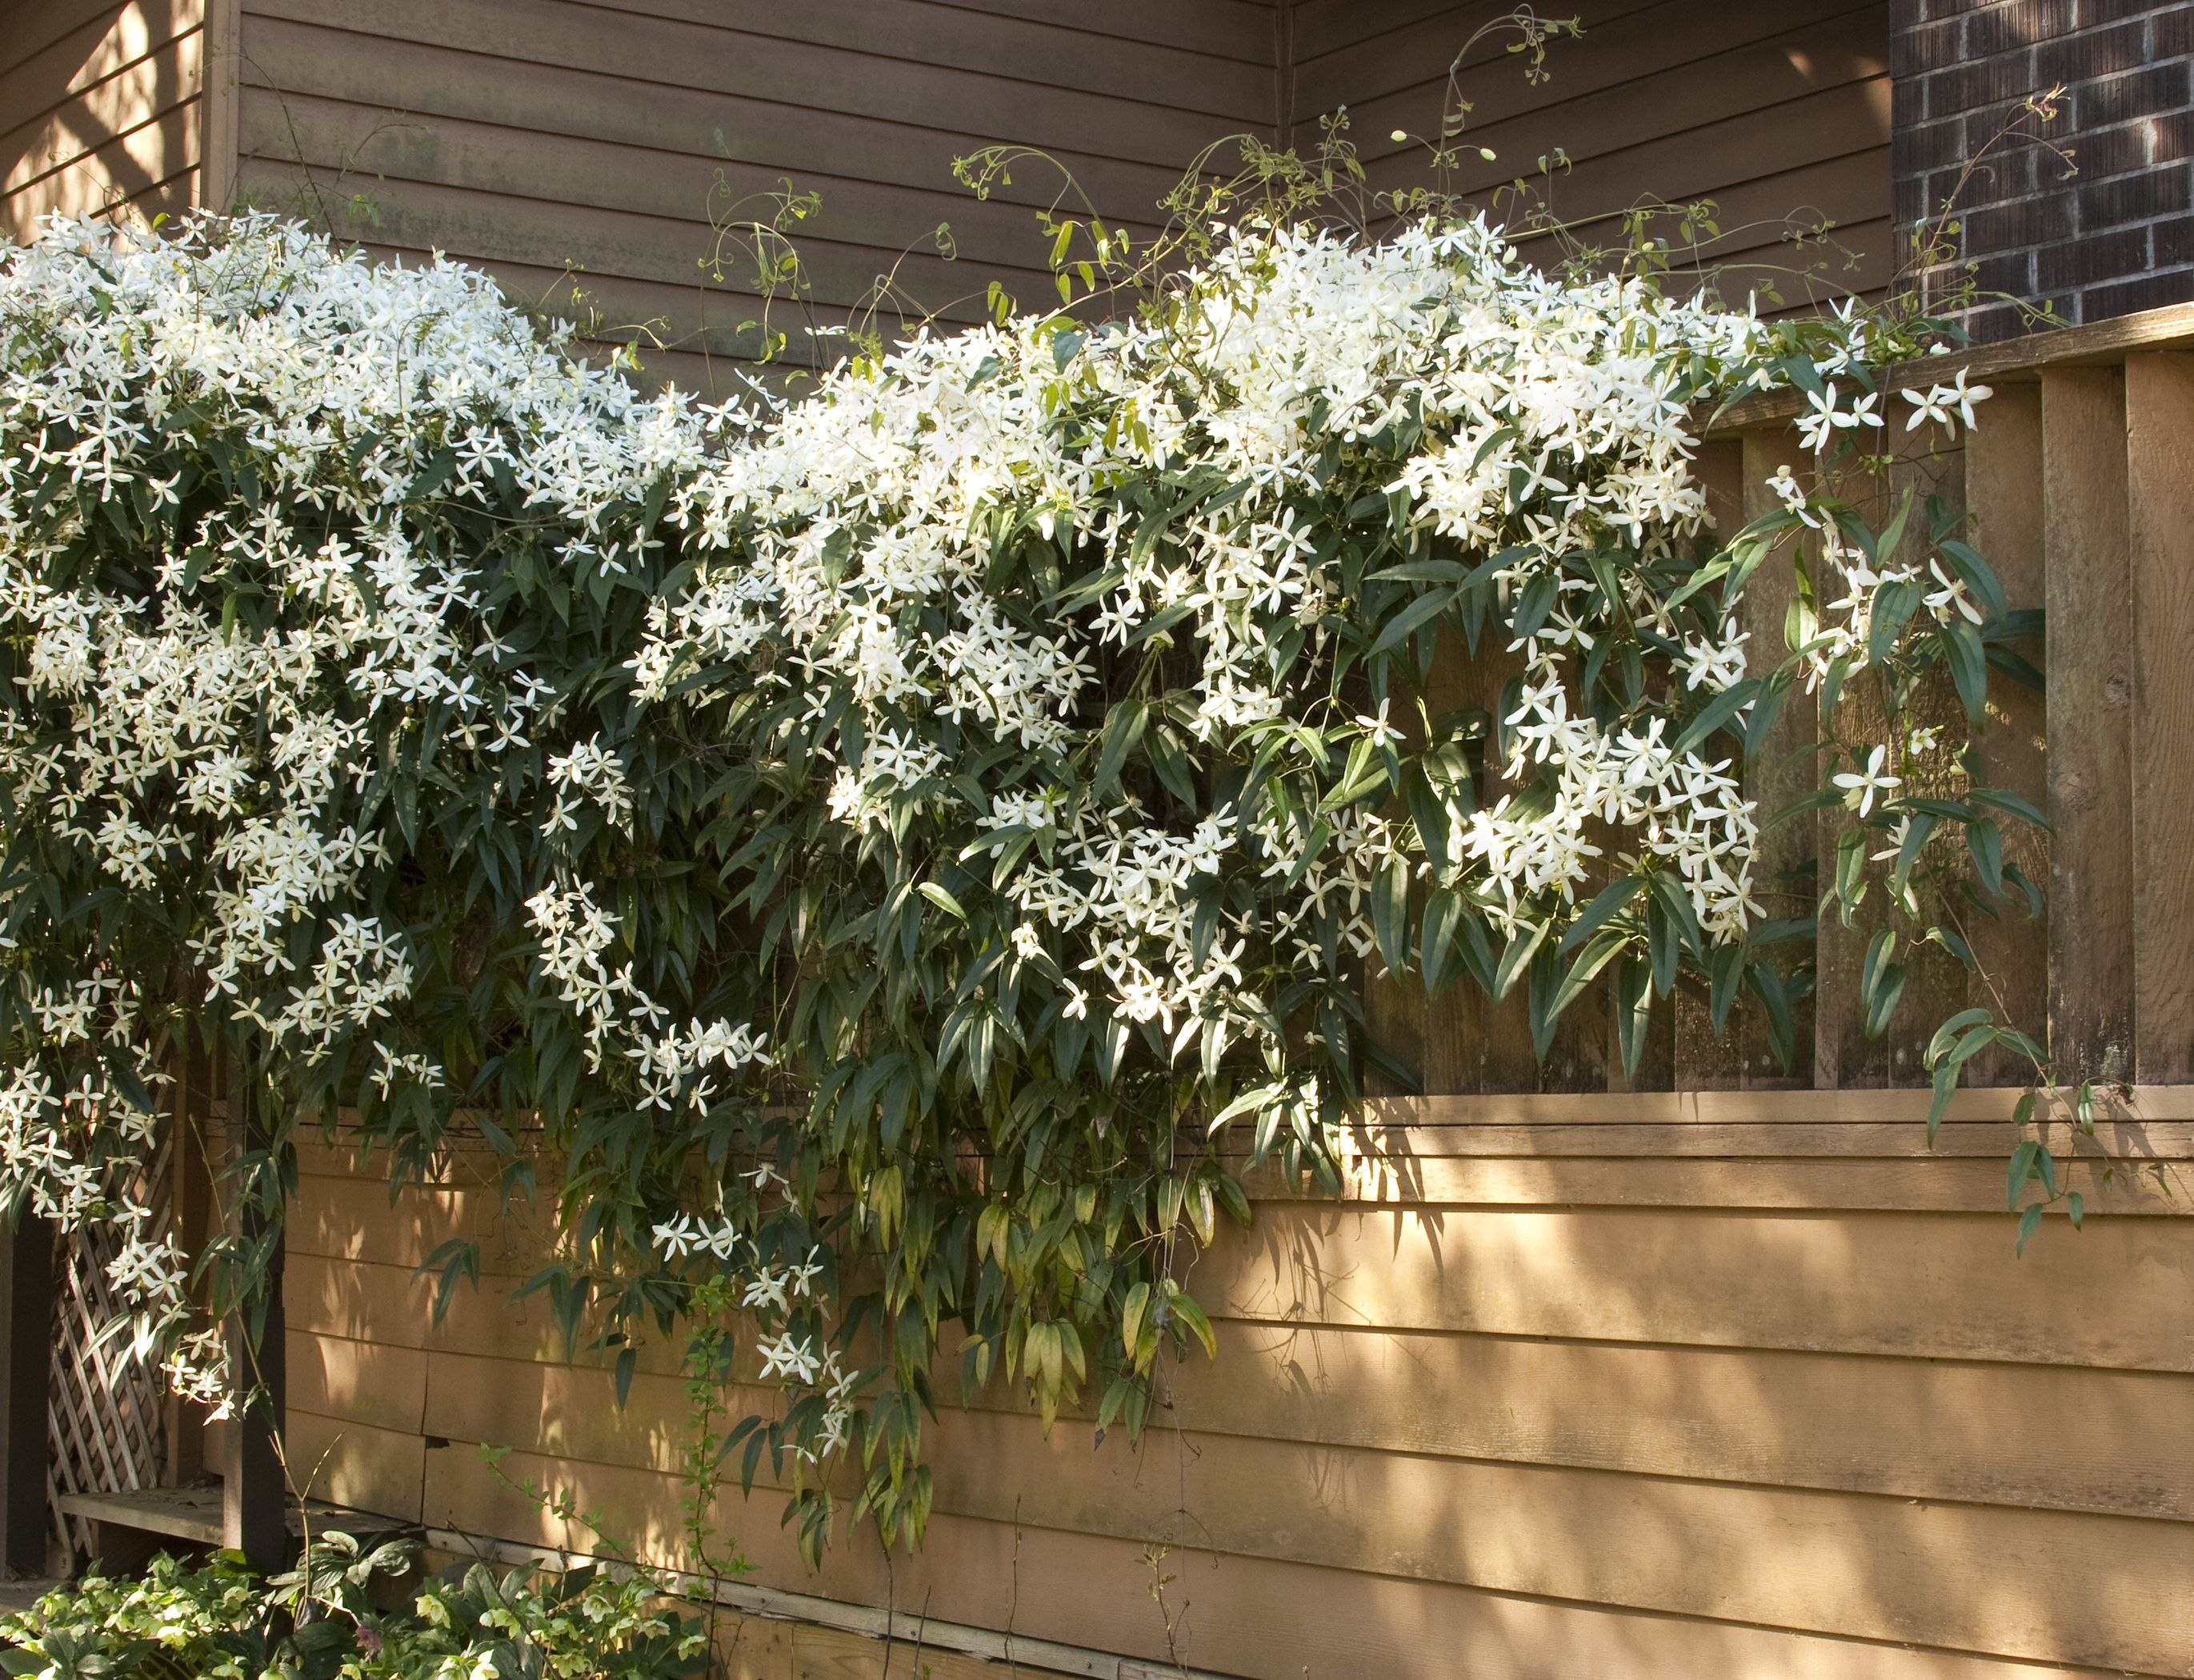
1985, 845
1421, 610
1947, 1034
2029, 1223
1882, 982
944, 900
1969, 663
1183, 1309
1606, 902
1390, 912
1124, 731
1715, 714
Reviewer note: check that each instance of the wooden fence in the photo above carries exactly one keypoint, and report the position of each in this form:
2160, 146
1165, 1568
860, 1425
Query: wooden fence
1734, 1382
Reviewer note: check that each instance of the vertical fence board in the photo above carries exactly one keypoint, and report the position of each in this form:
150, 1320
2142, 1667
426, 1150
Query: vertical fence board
1932, 469
2003, 499
2089, 640
2159, 396
1486, 1045
1783, 879
1700, 1060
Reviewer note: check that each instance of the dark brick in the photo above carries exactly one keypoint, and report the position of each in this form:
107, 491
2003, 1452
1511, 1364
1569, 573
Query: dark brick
2016, 23
2135, 198
2092, 52
2172, 243
1996, 321
2091, 262
1926, 146
1929, 46
2121, 99
2171, 33
2149, 291
2003, 175
1979, 83
2169, 138
2009, 227
2102, 153
2013, 274
2094, 12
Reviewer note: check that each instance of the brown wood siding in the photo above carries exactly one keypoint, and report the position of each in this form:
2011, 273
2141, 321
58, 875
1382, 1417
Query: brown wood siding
99, 108
1689, 1396
540, 136
1779, 113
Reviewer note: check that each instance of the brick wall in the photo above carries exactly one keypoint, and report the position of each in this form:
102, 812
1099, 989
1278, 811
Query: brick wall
2118, 234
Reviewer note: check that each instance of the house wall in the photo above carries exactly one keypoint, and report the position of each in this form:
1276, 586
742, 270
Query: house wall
581, 148
99, 107
2098, 221
1779, 113
548, 139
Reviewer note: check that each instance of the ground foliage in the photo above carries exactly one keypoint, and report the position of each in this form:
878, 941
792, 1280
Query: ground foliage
327, 1619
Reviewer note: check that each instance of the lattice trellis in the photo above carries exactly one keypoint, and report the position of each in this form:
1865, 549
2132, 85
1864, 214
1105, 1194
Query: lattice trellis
106, 1421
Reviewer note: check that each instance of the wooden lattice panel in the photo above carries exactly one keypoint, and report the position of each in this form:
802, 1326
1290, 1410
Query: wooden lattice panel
105, 1410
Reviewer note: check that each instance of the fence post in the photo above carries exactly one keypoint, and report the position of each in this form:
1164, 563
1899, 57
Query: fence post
26, 1341
255, 1492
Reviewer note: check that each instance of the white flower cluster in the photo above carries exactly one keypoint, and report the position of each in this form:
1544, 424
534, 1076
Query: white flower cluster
1202, 490
216, 766
848, 542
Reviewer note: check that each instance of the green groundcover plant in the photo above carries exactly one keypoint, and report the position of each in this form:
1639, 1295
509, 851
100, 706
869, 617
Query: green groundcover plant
216, 1620
903, 852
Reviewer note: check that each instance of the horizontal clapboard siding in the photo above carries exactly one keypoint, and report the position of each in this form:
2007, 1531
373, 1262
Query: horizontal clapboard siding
1677, 1401
99, 108
612, 141
1778, 113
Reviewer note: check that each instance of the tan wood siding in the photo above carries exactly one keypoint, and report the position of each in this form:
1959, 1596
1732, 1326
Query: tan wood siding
99, 108
1743, 1422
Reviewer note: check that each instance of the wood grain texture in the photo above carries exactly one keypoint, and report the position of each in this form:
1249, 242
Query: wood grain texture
2090, 664
1973, 1433
1244, 1611
553, 134
2003, 504
2159, 393
1729, 1407
99, 110
1785, 869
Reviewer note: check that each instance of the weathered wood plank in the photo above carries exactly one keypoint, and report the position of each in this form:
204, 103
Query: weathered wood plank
1783, 870
680, 53
2159, 395
349, 1462
291, 60
2090, 664
1915, 1285
1978, 1434
1046, 1583
2003, 501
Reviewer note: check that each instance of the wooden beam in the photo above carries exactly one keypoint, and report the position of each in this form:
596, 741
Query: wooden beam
1783, 773
2003, 501
2090, 641
26, 1341
2100, 344
2160, 527
255, 1492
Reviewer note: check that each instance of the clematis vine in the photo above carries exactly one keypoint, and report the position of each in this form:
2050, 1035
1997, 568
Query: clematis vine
882, 844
